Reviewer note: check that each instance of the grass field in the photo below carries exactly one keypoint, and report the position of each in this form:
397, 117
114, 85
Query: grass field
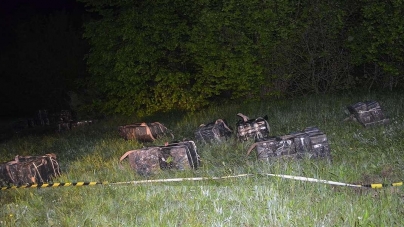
360, 156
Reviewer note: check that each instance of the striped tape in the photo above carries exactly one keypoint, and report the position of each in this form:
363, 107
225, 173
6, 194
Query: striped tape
334, 182
383, 185
308, 179
54, 185
182, 179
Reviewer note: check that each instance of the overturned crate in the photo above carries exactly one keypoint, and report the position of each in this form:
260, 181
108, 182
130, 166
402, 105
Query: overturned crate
149, 160
310, 142
181, 155
145, 161
368, 113
26, 170
252, 128
145, 132
215, 131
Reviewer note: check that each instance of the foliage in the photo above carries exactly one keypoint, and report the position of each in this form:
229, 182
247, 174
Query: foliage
168, 55
151, 56
376, 41
321, 63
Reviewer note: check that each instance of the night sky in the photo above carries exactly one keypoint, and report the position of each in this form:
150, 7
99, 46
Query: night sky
12, 14
13, 10
9, 8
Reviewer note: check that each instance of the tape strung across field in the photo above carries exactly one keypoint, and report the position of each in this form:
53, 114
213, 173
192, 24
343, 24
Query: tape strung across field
308, 179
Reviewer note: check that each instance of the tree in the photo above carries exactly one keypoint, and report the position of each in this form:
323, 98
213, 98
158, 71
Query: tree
376, 42
149, 56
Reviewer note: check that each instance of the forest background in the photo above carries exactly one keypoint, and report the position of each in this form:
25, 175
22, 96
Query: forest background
143, 57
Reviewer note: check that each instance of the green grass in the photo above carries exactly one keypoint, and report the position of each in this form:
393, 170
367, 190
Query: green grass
360, 156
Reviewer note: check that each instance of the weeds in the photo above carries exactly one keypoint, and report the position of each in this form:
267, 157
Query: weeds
360, 156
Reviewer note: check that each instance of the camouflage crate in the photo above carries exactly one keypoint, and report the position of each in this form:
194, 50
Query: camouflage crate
145, 132
311, 142
368, 113
320, 147
29, 170
149, 160
214, 131
252, 128
145, 161
181, 155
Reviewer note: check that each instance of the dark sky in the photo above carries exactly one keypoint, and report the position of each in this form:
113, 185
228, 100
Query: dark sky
12, 13
10, 6
12, 9
9, 9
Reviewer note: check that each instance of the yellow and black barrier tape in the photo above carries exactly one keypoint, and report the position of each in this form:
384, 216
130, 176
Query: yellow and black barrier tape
308, 179
382, 185
375, 186
48, 185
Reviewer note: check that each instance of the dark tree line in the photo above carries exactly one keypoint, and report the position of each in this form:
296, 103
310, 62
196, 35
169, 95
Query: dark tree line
149, 56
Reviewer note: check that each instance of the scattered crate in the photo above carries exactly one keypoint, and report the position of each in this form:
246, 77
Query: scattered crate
215, 131
368, 113
149, 160
311, 142
25, 170
145, 132
252, 128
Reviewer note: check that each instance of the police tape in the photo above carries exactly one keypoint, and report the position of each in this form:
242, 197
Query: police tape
308, 179
47, 185
334, 182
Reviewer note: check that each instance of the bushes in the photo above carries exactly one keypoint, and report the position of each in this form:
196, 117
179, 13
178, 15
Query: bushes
162, 55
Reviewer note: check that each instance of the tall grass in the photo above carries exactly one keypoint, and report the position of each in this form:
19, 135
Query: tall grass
360, 156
